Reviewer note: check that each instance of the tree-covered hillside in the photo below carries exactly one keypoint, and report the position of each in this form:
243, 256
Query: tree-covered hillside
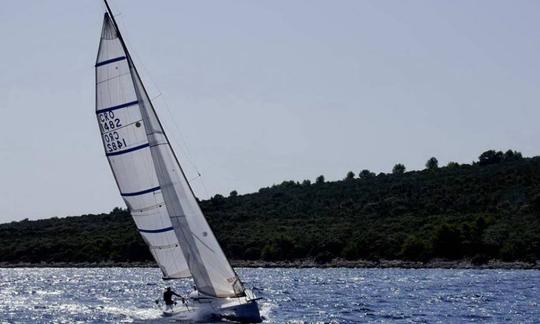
487, 210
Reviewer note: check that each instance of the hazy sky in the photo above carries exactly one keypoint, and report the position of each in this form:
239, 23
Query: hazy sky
256, 92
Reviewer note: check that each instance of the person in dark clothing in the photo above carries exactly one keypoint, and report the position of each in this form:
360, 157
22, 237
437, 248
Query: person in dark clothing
167, 297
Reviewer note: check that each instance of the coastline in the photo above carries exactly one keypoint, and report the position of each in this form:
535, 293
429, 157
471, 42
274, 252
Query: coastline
308, 263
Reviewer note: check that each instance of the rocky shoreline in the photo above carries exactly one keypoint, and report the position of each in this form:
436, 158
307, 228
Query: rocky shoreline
384, 264
307, 263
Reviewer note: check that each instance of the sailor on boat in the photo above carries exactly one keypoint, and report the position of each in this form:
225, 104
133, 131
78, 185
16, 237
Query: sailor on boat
167, 297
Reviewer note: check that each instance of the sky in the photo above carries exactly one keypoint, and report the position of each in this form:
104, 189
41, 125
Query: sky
253, 93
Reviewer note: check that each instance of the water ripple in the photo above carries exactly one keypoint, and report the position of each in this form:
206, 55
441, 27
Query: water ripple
289, 295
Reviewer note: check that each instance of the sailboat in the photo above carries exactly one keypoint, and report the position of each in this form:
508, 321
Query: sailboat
155, 189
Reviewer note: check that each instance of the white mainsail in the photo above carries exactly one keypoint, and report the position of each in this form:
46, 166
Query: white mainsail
150, 178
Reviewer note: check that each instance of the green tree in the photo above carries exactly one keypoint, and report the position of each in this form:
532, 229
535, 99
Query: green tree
218, 200
474, 212
452, 164
490, 157
218, 197
447, 241
233, 193
350, 176
366, 174
320, 179
270, 252
512, 156
414, 248
398, 169
432, 164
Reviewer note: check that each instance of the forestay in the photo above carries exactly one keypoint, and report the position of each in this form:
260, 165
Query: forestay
150, 178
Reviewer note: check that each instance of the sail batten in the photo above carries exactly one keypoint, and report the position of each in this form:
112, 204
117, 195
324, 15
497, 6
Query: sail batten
159, 230
150, 178
116, 59
124, 105
138, 193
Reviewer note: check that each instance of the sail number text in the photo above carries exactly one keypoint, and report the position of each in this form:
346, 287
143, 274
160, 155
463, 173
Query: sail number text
108, 121
112, 140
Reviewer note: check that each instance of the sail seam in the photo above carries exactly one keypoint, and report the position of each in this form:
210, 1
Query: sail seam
138, 193
144, 209
141, 215
163, 247
125, 105
112, 78
116, 59
136, 148
158, 144
209, 248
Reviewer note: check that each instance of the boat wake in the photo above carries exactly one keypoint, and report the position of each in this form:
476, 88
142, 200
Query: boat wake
137, 314
266, 309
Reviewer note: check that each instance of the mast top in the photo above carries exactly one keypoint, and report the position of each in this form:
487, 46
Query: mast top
115, 25
109, 11
108, 8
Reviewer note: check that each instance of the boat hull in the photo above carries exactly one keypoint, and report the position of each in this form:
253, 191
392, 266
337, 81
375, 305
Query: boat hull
245, 313
211, 309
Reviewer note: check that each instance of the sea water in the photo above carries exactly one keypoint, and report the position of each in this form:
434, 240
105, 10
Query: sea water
289, 295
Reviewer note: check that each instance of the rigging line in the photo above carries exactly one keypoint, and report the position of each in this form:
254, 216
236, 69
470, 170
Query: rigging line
159, 95
180, 143
198, 176
149, 79
179, 138
115, 12
123, 126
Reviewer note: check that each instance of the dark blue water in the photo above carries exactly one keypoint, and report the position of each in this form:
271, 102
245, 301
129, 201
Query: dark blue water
290, 295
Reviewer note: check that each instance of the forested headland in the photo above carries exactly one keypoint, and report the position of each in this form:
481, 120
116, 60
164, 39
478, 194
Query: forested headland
489, 209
